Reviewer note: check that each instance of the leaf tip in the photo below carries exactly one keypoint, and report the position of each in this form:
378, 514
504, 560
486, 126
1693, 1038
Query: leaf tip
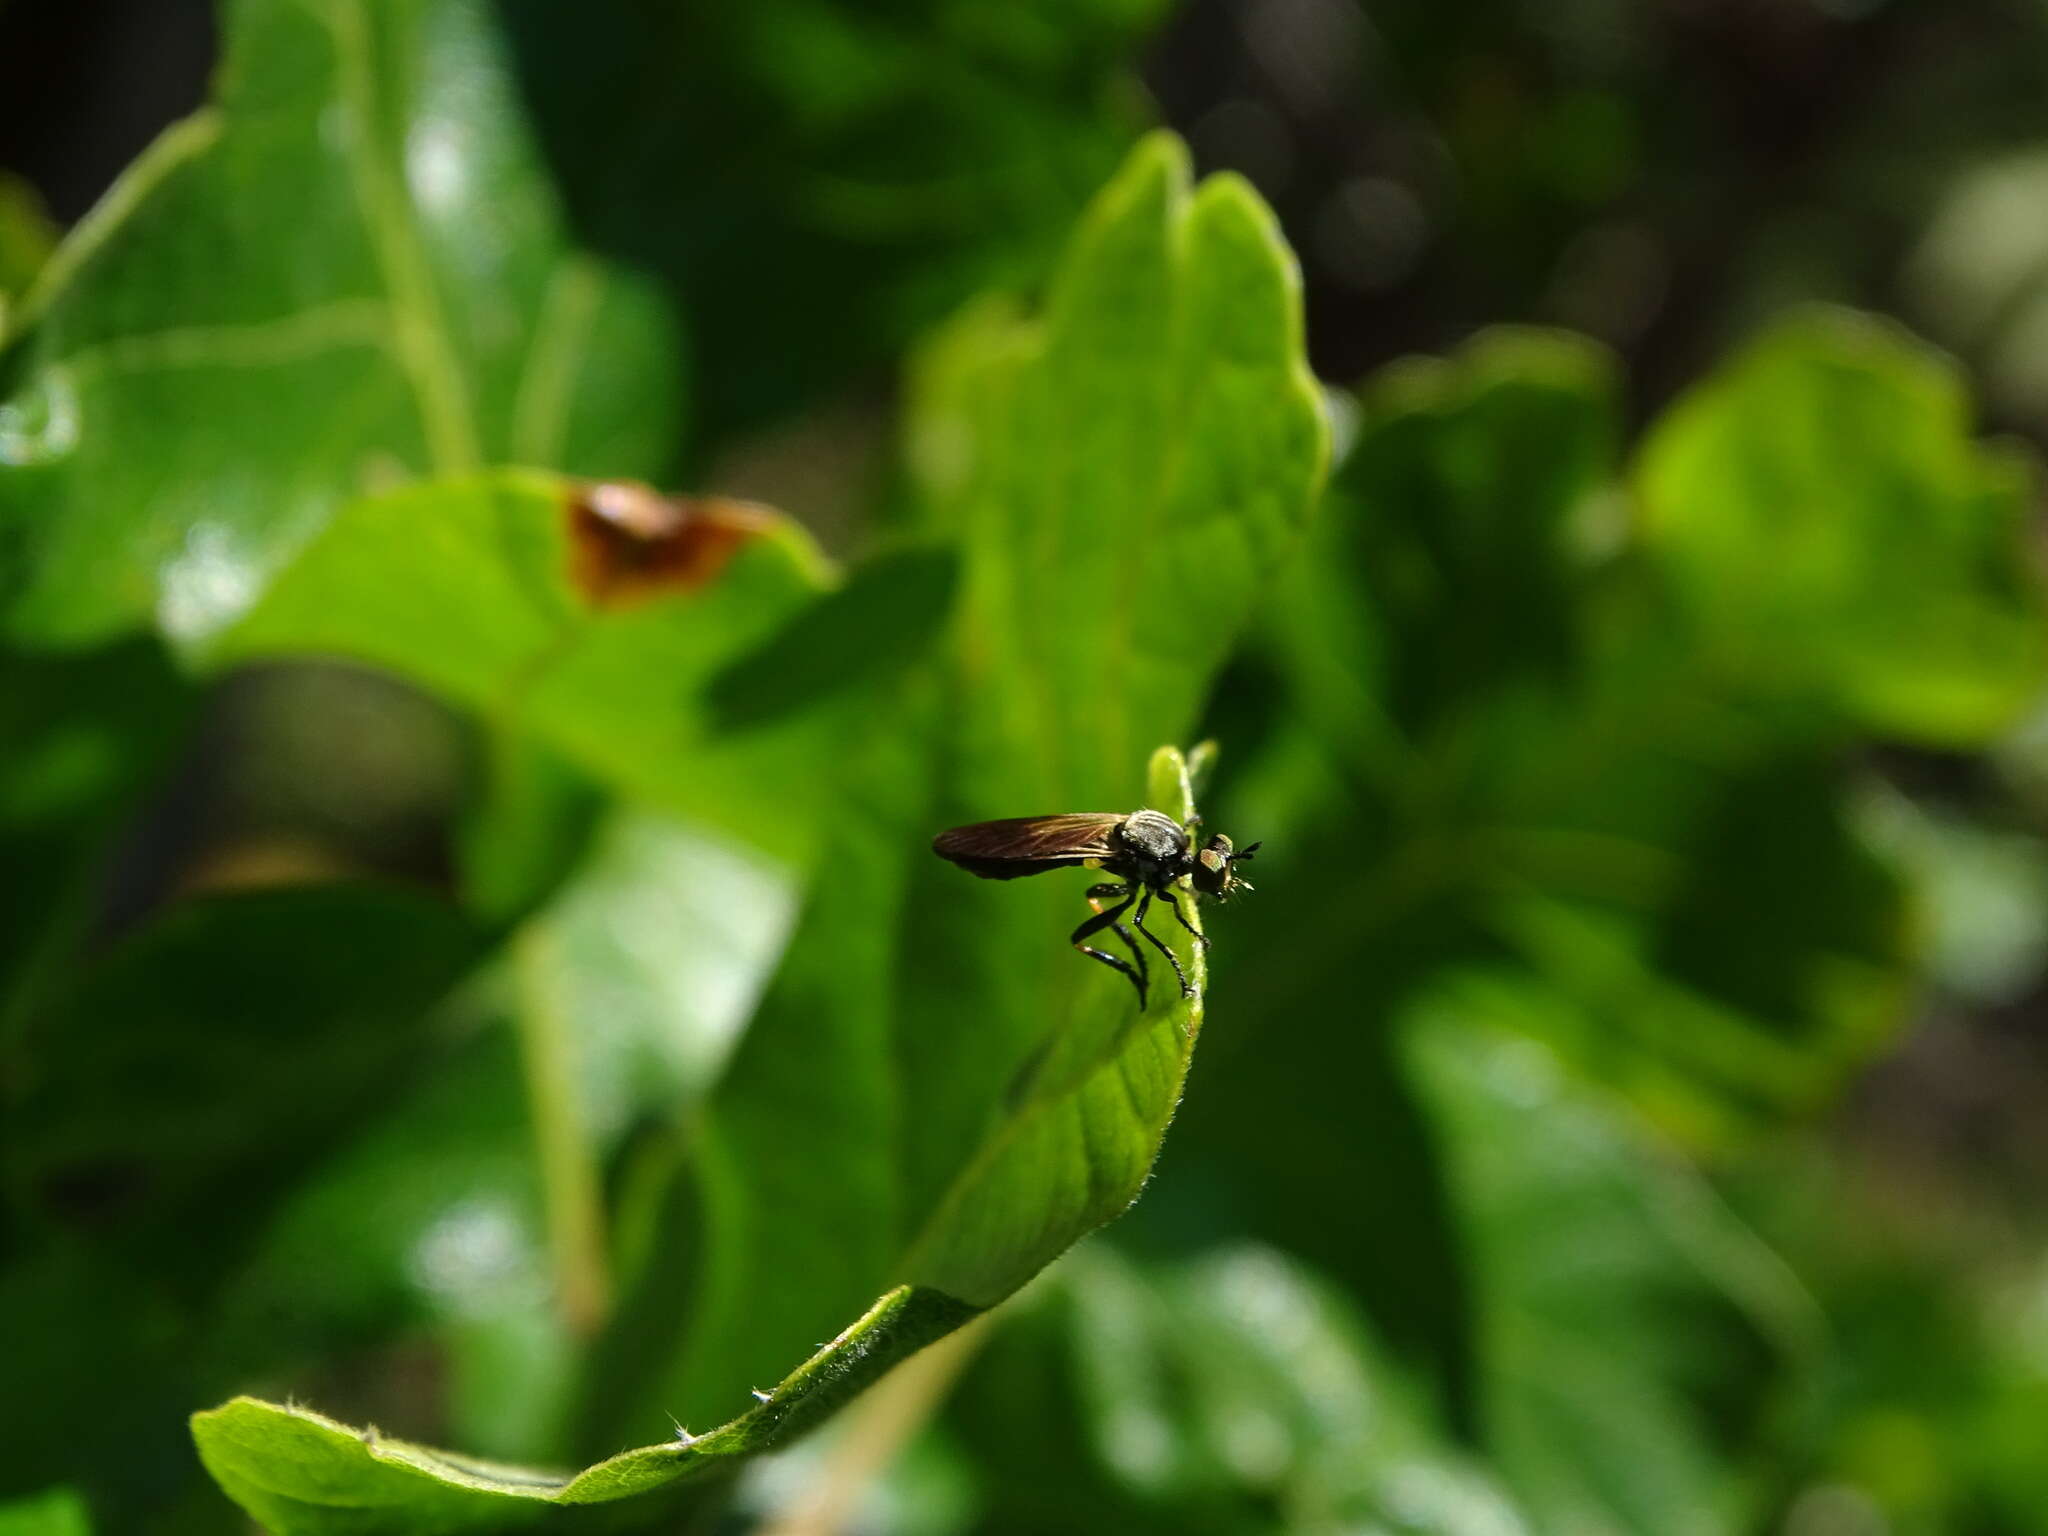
1160, 159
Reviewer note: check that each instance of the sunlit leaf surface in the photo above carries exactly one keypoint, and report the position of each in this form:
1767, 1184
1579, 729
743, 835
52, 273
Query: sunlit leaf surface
337, 277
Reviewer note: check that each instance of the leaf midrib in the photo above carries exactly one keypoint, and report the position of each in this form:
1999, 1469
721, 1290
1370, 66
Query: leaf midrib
425, 354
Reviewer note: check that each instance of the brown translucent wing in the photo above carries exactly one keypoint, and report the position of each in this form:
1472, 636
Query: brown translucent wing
1029, 845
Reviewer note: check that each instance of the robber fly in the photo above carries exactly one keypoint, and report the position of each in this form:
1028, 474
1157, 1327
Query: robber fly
1146, 850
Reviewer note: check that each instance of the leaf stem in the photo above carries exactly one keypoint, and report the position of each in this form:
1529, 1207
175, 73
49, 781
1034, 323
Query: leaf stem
571, 1191
876, 1429
425, 351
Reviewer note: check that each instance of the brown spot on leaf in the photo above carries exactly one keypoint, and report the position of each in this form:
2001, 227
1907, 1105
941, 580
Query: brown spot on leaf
629, 543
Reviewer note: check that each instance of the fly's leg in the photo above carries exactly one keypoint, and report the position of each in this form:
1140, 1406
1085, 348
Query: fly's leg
1097, 895
1095, 925
1182, 918
1138, 922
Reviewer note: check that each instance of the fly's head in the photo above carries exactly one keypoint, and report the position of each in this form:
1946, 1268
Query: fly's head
1215, 868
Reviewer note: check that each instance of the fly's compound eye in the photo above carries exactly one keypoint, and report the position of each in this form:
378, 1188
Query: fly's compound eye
1211, 874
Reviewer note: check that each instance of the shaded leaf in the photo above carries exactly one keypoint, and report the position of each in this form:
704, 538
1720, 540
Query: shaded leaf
1633, 1336
1767, 960
896, 159
1822, 512
159, 1108
888, 614
80, 737
1233, 1392
1426, 649
1658, 845
1476, 474
1660, 838
235, 1033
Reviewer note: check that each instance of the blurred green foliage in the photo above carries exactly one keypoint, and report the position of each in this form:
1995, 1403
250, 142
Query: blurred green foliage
59, 1512
473, 964
26, 238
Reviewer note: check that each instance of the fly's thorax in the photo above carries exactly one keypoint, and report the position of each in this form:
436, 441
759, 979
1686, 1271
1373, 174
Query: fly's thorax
1155, 842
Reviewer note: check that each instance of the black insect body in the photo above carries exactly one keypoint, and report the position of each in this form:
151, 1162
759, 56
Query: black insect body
1147, 851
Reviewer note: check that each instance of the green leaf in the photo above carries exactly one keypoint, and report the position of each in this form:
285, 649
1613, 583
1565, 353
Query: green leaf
887, 615
416, 237
627, 990
1576, 781
481, 591
524, 827
1412, 666
896, 160
1633, 1335
340, 275
27, 236
1825, 518
1929, 1416
59, 1512
1474, 478
1076, 1120
863, 1142
190, 1070
1121, 476
1769, 959
160, 1106
1235, 1392
299, 1472
431, 1216
1572, 794
80, 737
658, 950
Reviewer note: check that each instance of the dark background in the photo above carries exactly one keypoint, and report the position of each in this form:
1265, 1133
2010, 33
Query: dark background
1657, 174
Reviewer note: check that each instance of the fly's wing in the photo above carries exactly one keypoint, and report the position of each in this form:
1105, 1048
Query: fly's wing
1029, 845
